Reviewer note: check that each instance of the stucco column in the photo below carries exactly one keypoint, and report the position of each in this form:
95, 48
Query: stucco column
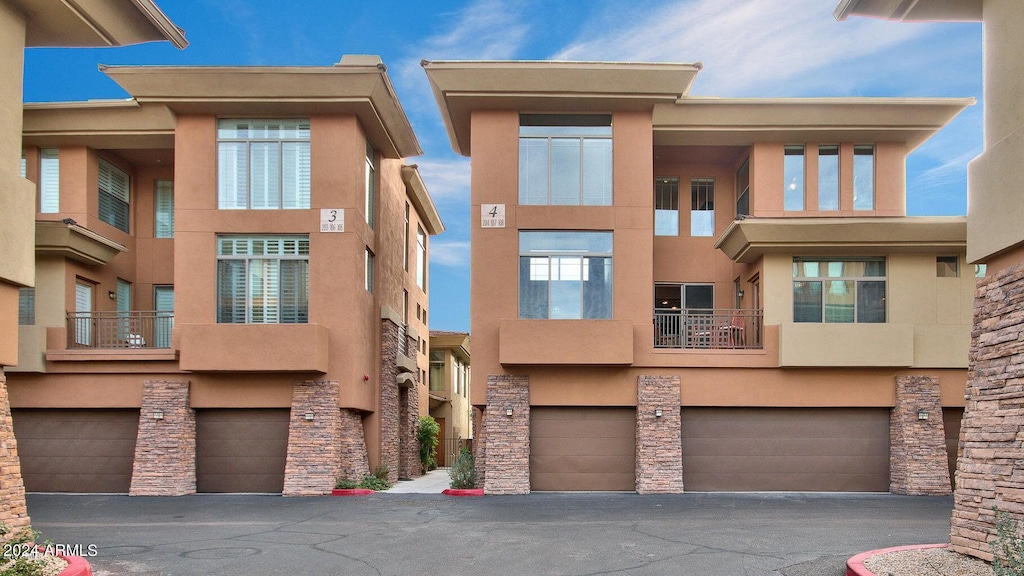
12, 488
990, 470
917, 442
165, 449
507, 436
659, 447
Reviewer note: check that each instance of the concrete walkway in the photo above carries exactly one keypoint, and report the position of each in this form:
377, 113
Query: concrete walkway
433, 482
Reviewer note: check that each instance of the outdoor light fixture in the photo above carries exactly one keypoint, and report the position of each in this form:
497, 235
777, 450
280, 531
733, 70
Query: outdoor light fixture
112, 295
158, 414
922, 414
508, 411
309, 416
657, 412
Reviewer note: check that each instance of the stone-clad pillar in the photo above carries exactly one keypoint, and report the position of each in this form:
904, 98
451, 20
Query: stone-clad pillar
390, 411
165, 449
659, 448
507, 438
918, 464
12, 487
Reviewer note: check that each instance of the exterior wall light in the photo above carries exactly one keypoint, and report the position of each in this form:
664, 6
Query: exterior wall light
309, 416
158, 414
922, 414
112, 295
508, 411
657, 412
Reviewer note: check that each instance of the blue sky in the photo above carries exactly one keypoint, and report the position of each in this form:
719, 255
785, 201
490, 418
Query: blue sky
749, 48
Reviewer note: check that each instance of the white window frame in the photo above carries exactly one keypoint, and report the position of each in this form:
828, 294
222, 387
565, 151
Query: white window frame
49, 180
863, 177
163, 207
261, 273
421, 258
839, 275
666, 206
590, 135
794, 178
702, 207
114, 196
564, 264
371, 186
271, 138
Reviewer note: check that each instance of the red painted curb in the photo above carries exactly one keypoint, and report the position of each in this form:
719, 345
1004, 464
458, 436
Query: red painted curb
352, 492
855, 565
463, 492
77, 566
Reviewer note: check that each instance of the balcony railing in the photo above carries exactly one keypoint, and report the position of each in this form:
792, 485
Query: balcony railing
719, 329
117, 330
403, 340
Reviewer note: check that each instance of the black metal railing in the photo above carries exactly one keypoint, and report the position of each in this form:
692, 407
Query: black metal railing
718, 329
116, 330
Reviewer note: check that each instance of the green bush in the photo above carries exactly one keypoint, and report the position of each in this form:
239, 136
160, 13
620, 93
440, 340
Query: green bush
463, 471
1008, 547
346, 484
382, 472
375, 483
427, 434
22, 566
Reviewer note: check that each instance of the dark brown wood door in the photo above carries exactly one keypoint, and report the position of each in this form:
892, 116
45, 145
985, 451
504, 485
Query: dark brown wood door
951, 420
76, 450
582, 448
241, 450
442, 445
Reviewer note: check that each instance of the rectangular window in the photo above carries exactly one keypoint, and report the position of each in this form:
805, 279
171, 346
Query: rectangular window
743, 189
666, 207
371, 186
839, 290
421, 258
405, 240
83, 313
49, 181
262, 279
437, 383
688, 297
163, 300
262, 164
864, 177
565, 159
828, 178
114, 195
26, 306
702, 207
124, 307
164, 222
947, 267
793, 174
565, 275
368, 271
24, 164
980, 270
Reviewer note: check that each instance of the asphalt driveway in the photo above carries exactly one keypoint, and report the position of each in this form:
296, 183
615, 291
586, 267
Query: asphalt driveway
542, 533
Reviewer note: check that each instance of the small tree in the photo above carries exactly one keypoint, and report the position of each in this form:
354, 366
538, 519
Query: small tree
429, 429
463, 472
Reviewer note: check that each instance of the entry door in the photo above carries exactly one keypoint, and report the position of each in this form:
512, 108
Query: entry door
163, 297
442, 444
83, 313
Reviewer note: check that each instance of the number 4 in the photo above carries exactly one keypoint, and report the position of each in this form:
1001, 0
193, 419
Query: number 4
494, 212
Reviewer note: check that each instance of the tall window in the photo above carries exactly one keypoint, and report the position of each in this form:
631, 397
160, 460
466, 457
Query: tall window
565, 275
371, 186
437, 382
262, 164
83, 313
163, 300
839, 290
164, 225
262, 279
26, 306
421, 258
368, 271
24, 164
828, 177
793, 173
743, 189
702, 207
863, 177
565, 159
49, 181
114, 195
688, 297
124, 306
405, 240
666, 207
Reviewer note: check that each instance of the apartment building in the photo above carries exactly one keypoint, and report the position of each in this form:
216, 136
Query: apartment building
231, 284
989, 470
449, 393
709, 293
29, 24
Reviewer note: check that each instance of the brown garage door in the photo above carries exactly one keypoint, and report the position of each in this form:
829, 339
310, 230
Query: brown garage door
76, 450
951, 419
241, 450
804, 449
582, 448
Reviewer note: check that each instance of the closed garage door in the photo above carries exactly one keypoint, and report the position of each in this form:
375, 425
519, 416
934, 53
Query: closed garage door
951, 420
76, 450
582, 448
740, 449
241, 450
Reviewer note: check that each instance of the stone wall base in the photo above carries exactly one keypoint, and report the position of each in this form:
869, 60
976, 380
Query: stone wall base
918, 464
659, 448
507, 448
12, 488
165, 450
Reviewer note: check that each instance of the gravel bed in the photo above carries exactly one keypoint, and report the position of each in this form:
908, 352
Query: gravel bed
926, 561
52, 565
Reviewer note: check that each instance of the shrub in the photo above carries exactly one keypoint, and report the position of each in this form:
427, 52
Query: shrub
463, 471
346, 484
1008, 547
382, 472
23, 565
427, 434
375, 483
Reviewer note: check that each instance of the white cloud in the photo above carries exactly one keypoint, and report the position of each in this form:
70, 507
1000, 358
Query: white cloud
452, 253
446, 180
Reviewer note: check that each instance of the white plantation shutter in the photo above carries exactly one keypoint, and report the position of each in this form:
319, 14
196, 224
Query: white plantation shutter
49, 181
124, 295
264, 175
263, 164
24, 164
295, 175
164, 226
231, 291
163, 299
83, 308
263, 279
113, 195
232, 175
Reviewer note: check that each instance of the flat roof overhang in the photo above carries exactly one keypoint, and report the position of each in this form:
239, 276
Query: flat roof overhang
98, 124
460, 87
84, 23
911, 10
75, 242
743, 121
357, 85
747, 240
421, 199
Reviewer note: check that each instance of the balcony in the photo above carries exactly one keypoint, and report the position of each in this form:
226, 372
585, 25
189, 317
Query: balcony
719, 329
119, 330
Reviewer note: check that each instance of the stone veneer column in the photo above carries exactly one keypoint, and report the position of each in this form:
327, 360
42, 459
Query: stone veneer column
165, 449
409, 417
390, 416
507, 445
12, 488
659, 446
918, 464
479, 450
318, 451
990, 471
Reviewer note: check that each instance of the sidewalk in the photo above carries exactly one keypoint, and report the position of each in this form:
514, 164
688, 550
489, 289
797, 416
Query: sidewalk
433, 482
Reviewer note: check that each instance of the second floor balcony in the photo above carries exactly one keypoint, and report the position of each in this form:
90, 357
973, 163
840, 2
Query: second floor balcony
119, 330
717, 329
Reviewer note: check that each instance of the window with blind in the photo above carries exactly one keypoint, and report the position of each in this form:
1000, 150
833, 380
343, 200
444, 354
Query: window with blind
839, 290
371, 186
83, 313
666, 206
26, 306
421, 258
164, 220
163, 299
262, 164
114, 195
565, 275
702, 207
49, 181
262, 279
